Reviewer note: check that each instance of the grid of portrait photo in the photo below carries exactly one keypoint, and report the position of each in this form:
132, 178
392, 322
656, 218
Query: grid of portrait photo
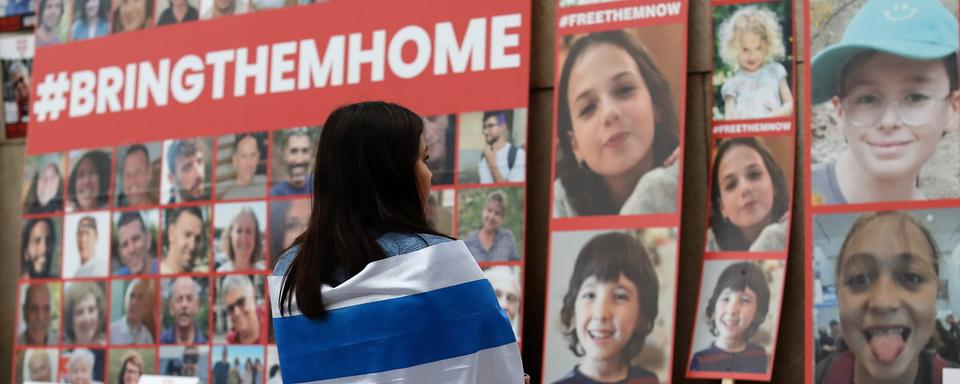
615, 207
883, 187
152, 258
62, 21
478, 161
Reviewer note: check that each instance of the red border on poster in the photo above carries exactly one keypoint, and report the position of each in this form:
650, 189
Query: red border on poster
597, 18
782, 127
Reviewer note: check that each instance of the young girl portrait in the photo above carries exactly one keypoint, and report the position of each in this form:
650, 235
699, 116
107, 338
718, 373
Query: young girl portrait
618, 129
887, 278
750, 45
610, 312
749, 202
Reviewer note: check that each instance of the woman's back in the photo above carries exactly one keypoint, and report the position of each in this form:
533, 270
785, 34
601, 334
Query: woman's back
371, 292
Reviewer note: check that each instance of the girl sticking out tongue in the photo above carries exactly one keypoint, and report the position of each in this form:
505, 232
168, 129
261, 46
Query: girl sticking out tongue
887, 281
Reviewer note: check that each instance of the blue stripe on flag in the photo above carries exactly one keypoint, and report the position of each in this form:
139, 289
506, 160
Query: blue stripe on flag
392, 334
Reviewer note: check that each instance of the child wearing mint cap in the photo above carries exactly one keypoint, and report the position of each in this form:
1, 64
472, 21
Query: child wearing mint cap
893, 81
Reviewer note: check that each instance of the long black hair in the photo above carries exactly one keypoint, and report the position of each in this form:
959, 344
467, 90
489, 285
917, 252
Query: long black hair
585, 190
50, 243
728, 236
101, 163
364, 185
80, 10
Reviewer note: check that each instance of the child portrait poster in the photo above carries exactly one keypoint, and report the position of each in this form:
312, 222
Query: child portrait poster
839, 237
583, 170
882, 172
751, 180
933, 169
758, 76
659, 246
615, 196
754, 324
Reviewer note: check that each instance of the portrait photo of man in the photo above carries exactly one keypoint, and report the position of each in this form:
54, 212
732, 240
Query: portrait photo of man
185, 174
185, 245
38, 309
187, 311
242, 175
134, 243
138, 174
294, 151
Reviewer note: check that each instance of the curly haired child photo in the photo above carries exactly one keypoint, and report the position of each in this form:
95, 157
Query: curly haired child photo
750, 44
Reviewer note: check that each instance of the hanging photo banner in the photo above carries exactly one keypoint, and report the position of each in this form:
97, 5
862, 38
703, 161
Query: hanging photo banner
752, 147
16, 62
618, 136
883, 182
169, 164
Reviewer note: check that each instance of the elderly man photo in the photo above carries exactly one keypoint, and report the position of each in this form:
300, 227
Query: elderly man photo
239, 301
183, 304
130, 328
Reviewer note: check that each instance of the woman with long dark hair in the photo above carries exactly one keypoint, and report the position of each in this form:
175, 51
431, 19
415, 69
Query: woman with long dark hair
91, 19
89, 183
748, 199
49, 16
38, 249
371, 271
617, 131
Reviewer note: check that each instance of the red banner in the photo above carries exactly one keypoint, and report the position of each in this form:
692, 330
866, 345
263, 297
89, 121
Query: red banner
245, 73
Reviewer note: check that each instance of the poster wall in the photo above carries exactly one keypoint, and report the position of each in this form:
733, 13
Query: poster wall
883, 182
752, 143
170, 156
16, 64
621, 79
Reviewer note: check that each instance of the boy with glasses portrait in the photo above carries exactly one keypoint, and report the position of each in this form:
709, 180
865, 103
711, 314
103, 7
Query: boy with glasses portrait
893, 81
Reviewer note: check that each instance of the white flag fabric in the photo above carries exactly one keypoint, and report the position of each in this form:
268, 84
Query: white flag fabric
428, 316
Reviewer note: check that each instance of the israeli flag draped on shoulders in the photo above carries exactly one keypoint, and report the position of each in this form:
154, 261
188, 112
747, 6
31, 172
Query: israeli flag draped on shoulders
428, 316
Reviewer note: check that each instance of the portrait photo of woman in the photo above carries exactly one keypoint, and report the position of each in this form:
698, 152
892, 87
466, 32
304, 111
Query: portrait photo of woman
89, 184
44, 181
84, 314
